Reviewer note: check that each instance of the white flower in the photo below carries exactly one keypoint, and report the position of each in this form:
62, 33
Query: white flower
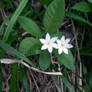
48, 43
63, 45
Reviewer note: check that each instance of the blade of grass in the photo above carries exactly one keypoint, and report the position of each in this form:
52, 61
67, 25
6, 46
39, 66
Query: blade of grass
24, 79
15, 52
79, 18
0, 77
14, 86
64, 79
10, 3
1, 55
3, 23
14, 18
67, 83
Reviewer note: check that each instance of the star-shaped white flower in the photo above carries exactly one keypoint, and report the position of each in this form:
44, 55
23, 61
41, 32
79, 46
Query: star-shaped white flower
63, 45
48, 43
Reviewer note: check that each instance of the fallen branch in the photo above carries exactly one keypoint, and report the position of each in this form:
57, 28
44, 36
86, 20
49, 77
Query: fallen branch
11, 61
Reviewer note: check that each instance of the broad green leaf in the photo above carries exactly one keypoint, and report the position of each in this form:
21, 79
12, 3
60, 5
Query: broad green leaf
14, 18
57, 34
78, 18
54, 15
44, 2
83, 7
66, 59
14, 87
8, 48
29, 45
30, 26
90, 1
44, 60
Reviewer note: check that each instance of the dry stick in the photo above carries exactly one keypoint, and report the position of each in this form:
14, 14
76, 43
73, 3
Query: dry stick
30, 82
62, 85
59, 90
79, 59
11, 61
4, 15
35, 82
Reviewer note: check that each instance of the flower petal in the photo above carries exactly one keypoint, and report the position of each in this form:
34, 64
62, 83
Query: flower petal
43, 41
54, 39
47, 36
44, 47
60, 51
58, 41
67, 40
50, 49
55, 45
69, 46
63, 38
65, 50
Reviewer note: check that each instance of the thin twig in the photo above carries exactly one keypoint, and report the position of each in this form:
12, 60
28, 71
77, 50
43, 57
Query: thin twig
78, 52
35, 82
11, 61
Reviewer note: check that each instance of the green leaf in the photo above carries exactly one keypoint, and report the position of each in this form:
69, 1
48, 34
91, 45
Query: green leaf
24, 79
66, 82
54, 16
44, 60
78, 18
57, 34
66, 59
14, 87
10, 3
3, 23
90, 1
44, 2
30, 26
83, 7
1, 56
29, 45
0, 77
8, 48
1, 53
2, 5
14, 18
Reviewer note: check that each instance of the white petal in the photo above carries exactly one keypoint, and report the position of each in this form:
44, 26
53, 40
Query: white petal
55, 45
63, 38
54, 39
44, 47
69, 46
47, 36
50, 49
65, 51
43, 41
68, 40
60, 51
58, 41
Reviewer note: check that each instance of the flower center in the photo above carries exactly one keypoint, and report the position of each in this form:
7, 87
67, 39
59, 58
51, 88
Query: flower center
48, 43
62, 45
